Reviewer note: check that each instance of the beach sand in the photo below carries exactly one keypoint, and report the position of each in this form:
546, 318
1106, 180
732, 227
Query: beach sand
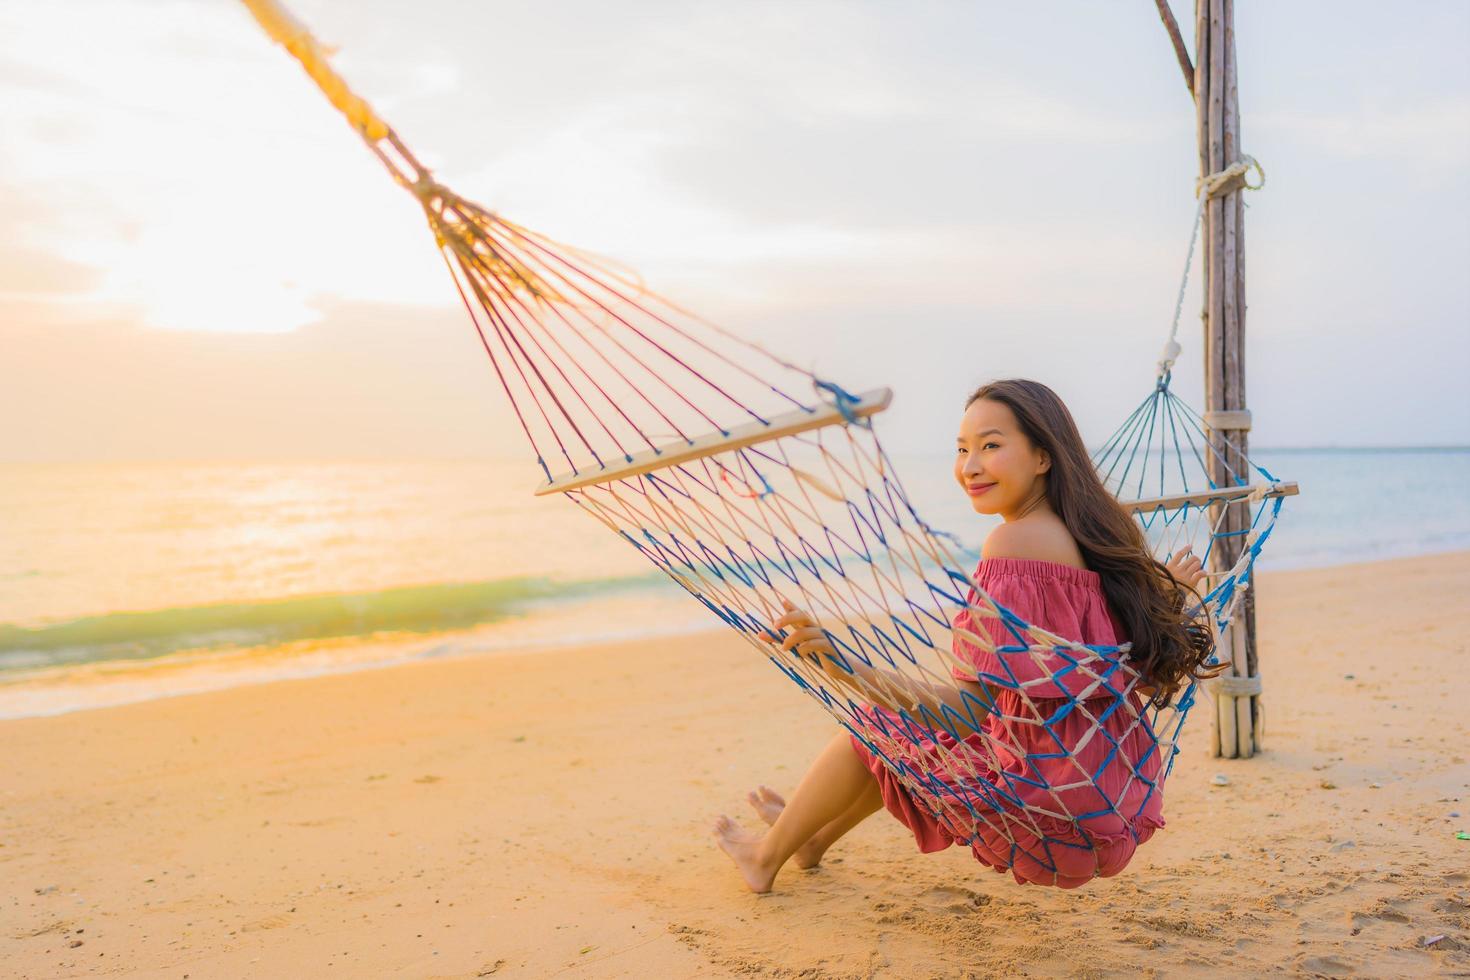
547, 814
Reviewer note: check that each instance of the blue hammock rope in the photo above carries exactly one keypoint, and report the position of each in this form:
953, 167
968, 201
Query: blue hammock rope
781, 510
775, 486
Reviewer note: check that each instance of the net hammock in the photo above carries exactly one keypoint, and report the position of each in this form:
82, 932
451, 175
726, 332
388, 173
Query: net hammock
748, 480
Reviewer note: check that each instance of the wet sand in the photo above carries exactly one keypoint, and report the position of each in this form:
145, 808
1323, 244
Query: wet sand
547, 814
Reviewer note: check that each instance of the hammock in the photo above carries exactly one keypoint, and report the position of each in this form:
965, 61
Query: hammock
749, 480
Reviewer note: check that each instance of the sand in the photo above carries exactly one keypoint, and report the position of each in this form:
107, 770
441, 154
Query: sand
547, 814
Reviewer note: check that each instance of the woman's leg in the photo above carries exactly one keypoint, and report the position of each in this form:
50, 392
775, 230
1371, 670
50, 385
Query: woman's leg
824, 800
768, 805
869, 803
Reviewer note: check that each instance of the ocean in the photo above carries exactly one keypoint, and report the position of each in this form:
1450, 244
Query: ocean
122, 582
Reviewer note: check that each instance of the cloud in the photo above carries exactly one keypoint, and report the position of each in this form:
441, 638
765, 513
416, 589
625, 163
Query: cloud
983, 188
367, 380
27, 272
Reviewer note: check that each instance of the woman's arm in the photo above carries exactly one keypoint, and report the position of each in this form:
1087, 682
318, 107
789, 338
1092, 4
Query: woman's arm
885, 688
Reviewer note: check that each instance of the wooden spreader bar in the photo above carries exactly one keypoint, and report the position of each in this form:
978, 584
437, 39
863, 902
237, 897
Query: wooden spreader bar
739, 437
1199, 498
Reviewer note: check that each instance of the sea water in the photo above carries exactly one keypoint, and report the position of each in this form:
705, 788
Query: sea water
248, 571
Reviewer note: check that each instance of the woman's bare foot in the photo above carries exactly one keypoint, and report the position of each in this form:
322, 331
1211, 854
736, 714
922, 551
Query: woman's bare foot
768, 805
744, 849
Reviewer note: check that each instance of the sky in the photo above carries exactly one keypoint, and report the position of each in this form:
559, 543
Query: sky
200, 260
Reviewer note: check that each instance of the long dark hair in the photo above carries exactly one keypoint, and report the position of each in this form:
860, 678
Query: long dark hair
1169, 647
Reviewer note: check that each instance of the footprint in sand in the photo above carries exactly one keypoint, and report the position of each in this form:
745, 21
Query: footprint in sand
953, 899
1329, 966
1383, 911
276, 921
321, 822
1143, 939
60, 925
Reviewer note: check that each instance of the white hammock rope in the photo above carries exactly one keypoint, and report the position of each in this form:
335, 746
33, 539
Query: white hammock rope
1206, 189
750, 481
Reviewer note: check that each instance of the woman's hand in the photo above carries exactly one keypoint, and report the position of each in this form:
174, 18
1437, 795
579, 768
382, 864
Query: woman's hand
1186, 567
887, 688
808, 640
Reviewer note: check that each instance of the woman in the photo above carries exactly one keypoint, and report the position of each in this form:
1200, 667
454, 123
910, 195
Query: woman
1070, 559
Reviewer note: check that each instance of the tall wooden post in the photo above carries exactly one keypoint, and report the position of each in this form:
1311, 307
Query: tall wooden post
1212, 82
1217, 111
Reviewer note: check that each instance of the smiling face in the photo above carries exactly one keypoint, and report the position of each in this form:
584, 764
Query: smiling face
995, 463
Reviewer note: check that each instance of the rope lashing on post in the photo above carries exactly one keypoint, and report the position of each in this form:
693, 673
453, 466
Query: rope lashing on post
1206, 188
1231, 178
1235, 687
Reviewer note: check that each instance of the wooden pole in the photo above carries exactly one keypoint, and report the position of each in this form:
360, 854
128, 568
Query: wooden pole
1217, 110
1177, 39
1211, 81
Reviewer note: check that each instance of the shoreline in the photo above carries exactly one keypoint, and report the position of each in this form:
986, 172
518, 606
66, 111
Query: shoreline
549, 813
92, 685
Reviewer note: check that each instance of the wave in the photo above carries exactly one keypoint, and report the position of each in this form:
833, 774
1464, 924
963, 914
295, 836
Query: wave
407, 609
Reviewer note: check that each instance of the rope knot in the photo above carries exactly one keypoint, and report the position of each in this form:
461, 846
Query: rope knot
1168, 356
842, 400
1232, 178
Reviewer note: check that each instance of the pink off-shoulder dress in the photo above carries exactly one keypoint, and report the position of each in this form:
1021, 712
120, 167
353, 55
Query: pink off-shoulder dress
1063, 794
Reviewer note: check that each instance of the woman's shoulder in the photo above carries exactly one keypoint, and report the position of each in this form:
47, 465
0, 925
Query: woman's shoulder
1041, 542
